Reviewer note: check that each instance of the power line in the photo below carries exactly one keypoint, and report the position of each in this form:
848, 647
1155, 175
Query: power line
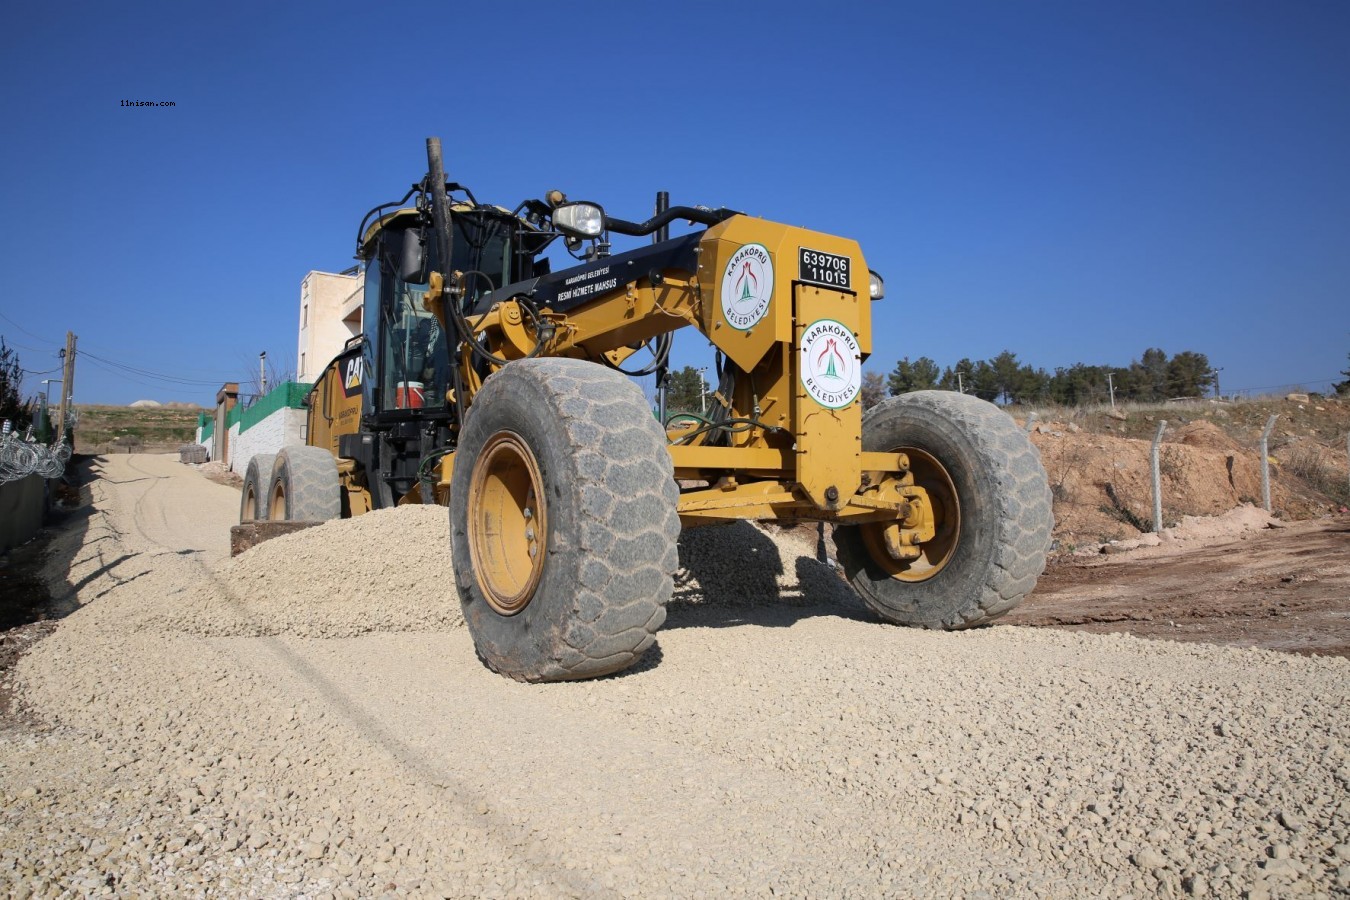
173, 379
26, 347
146, 372
159, 386
1296, 381
27, 332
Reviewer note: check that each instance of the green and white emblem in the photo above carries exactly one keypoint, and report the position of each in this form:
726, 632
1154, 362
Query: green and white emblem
747, 286
830, 363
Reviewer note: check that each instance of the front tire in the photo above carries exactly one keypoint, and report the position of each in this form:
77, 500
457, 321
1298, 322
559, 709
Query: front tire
984, 471
563, 521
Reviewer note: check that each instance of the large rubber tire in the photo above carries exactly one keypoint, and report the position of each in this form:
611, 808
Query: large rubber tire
1005, 513
593, 603
257, 479
304, 486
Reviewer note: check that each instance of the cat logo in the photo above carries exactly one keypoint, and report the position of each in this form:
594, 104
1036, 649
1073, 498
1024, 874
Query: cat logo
351, 381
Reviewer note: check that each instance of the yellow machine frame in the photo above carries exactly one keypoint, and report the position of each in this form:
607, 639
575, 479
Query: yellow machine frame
806, 461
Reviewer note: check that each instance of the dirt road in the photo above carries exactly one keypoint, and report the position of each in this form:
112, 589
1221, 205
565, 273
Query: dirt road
1282, 589
210, 726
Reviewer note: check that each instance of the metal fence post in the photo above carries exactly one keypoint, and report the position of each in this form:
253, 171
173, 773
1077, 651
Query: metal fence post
1157, 477
1265, 462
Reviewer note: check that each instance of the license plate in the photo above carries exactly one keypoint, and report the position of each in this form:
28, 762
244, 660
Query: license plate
826, 269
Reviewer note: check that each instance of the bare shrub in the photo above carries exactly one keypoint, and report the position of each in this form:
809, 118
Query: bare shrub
1315, 466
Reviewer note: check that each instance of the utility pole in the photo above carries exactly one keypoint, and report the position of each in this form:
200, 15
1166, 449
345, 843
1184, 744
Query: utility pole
67, 384
1217, 393
960, 385
262, 373
1110, 386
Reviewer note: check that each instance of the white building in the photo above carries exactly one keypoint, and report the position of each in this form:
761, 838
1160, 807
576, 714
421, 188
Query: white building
330, 315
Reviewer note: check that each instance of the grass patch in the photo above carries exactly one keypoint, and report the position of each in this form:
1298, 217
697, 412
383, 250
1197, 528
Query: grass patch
1314, 466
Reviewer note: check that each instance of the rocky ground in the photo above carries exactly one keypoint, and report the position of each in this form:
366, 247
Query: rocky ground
310, 720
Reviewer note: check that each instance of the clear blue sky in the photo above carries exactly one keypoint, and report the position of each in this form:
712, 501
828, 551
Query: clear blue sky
1071, 181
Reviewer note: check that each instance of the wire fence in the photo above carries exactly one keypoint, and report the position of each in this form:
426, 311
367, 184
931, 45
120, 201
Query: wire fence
22, 456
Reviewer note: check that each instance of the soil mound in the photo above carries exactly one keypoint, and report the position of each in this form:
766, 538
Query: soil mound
1103, 485
1205, 434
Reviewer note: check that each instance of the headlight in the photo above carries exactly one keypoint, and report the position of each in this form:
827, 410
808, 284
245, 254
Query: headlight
875, 286
579, 219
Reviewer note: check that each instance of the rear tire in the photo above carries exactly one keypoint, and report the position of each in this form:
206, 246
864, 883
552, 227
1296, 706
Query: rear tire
304, 486
563, 522
1003, 509
257, 479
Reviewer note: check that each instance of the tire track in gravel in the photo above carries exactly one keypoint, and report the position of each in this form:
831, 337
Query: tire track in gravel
564, 755
174, 513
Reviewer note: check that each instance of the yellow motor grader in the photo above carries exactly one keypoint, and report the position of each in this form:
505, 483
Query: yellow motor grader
487, 382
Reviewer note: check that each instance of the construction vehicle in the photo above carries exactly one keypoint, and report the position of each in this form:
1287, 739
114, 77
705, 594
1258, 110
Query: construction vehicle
488, 383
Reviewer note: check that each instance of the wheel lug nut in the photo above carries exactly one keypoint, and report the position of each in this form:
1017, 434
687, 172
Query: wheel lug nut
529, 534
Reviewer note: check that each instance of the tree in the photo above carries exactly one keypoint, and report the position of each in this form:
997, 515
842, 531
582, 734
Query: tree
1033, 385
1189, 374
684, 392
919, 375
1343, 387
1148, 376
983, 381
873, 389
957, 377
1078, 385
11, 379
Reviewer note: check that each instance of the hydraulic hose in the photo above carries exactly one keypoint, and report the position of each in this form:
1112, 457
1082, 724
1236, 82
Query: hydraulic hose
688, 213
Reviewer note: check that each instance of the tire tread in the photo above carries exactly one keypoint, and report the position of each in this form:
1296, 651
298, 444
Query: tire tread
1021, 501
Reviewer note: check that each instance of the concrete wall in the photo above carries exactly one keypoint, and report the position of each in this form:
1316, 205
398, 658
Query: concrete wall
285, 426
22, 504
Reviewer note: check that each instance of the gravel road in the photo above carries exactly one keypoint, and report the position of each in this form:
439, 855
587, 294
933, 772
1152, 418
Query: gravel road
310, 720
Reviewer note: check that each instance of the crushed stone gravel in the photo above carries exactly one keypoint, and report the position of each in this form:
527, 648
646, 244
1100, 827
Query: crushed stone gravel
309, 720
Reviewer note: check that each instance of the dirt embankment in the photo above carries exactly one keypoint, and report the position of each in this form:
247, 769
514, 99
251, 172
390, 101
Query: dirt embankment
1102, 484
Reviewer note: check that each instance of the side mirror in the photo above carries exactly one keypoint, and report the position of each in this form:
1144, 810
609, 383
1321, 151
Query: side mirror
412, 262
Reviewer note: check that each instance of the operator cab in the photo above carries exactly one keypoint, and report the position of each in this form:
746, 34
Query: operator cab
407, 351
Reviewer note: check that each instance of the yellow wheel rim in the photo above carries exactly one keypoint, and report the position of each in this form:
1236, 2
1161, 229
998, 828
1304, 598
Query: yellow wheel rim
933, 477
276, 509
508, 526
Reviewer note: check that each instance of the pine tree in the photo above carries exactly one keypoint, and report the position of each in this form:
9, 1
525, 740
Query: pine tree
684, 393
1189, 374
920, 375
11, 380
873, 389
